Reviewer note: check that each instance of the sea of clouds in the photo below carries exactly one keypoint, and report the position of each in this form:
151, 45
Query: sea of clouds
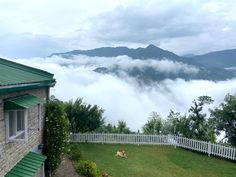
121, 96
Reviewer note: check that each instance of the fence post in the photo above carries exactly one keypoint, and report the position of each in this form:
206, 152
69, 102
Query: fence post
209, 148
138, 139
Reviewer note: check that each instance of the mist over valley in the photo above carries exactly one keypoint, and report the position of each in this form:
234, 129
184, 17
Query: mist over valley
130, 88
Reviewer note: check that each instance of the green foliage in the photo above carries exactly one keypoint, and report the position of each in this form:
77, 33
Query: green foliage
120, 128
195, 125
224, 118
199, 128
75, 153
154, 124
83, 117
106, 129
87, 168
176, 124
55, 135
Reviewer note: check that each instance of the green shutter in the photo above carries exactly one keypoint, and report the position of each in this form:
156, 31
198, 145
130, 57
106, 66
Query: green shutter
22, 102
28, 166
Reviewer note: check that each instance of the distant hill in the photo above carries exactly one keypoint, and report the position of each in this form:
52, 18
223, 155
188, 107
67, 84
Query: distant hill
150, 51
218, 59
188, 55
208, 68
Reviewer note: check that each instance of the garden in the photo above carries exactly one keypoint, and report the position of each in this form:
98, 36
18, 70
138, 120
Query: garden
64, 120
147, 160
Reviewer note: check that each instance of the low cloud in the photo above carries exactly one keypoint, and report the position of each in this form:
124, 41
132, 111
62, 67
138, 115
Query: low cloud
123, 98
125, 63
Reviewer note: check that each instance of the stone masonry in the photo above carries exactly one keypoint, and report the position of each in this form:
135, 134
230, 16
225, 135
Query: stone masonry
11, 153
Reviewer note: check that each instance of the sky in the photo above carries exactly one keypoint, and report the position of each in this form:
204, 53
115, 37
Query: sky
37, 28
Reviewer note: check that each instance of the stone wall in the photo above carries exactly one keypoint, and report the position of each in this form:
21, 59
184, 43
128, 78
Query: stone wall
11, 153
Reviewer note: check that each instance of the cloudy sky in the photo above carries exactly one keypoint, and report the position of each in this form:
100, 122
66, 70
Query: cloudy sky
37, 28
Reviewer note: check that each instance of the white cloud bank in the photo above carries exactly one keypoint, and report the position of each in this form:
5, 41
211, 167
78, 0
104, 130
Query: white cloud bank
123, 98
126, 63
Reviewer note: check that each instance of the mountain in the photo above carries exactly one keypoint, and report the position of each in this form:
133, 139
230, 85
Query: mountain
189, 55
150, 51
147, 74
219, 59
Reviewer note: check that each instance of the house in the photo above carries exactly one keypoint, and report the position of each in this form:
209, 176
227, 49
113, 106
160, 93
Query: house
23, 93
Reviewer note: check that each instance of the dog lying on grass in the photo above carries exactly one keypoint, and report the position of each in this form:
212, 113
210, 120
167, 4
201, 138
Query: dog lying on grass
121, 154
104, 174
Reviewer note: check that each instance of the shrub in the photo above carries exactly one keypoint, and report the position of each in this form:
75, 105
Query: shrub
83, 117
75, 153
55, 135
87, 168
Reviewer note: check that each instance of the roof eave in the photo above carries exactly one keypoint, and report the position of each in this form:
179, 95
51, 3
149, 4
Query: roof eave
22, 87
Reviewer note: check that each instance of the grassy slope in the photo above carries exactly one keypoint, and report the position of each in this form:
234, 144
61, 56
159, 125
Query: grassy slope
156, 161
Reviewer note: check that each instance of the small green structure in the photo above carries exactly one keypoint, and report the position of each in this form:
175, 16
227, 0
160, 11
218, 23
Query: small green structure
28, 166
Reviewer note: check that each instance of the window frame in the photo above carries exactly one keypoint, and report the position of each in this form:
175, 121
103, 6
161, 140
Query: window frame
39, 110
23, 132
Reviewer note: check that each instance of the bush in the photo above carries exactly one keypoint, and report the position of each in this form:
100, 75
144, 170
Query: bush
56, 132
83, 117
75, 153
87, 168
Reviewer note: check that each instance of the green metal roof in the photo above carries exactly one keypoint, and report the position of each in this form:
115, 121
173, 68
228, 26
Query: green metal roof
22, 102
15, 74
28, 166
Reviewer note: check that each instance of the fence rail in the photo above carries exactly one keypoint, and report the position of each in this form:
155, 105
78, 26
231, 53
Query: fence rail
140, 139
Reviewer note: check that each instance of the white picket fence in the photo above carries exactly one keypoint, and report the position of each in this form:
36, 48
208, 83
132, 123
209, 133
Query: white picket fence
141, 139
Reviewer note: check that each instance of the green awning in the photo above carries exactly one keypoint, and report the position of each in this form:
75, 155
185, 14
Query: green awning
22, 102
28, 166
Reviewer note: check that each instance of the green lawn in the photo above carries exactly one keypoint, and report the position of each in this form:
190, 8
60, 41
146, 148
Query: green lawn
155, 161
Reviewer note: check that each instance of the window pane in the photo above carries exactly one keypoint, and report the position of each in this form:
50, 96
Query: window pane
12, 131
20, 120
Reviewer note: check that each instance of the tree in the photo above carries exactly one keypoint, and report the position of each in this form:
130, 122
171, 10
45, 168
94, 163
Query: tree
176, 124
56, 134
109, 128
122, 127
224, 118
199, 128
154, 124
105, 128
83, 117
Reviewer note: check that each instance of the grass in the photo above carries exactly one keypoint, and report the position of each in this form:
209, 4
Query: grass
155, 161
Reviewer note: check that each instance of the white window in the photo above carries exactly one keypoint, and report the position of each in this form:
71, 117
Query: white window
16, 125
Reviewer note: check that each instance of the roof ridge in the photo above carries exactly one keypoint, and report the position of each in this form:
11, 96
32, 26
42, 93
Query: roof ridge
25, 68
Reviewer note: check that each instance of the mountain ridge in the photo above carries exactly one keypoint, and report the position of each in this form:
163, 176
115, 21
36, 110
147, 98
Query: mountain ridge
221, 59
151, 51
207, 71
